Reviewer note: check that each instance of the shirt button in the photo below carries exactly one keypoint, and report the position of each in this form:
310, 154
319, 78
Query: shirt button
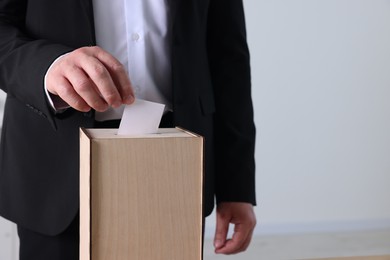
135, 37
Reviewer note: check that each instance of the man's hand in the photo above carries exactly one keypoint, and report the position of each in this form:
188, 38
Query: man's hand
90, 77
243, 217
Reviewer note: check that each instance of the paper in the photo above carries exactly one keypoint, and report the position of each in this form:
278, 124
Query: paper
141, 117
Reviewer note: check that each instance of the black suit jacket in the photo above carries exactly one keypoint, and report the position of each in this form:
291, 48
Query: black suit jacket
39, 163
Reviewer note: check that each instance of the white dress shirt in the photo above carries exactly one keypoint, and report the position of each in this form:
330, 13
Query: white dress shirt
136, 32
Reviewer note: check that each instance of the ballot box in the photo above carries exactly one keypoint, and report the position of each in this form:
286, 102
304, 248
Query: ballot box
141, 196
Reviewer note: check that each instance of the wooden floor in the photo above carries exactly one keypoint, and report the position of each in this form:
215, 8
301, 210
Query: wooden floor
369, 245
384, 257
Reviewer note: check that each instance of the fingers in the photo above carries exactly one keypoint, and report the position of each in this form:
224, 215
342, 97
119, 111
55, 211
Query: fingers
65, 89
239, 241
222, 230
92, 75
82, 85
119, 76
242, 216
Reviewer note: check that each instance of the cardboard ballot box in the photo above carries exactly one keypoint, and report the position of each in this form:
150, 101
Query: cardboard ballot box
141, 196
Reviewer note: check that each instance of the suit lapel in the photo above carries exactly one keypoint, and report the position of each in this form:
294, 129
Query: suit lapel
173, 6
88, 11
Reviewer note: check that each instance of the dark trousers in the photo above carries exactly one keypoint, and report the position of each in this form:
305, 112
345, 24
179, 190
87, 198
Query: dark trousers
64, 246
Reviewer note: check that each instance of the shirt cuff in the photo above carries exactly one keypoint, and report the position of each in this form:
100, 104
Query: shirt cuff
58, 105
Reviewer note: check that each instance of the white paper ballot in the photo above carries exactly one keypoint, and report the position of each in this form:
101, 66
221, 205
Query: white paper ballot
141, 117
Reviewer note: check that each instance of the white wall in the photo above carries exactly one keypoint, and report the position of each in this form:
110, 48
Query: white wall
8, 236
2, 100
321, 86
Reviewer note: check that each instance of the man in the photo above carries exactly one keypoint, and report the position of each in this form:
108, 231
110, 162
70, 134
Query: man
58, 80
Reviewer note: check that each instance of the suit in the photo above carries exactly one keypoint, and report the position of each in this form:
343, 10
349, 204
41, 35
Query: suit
39, 149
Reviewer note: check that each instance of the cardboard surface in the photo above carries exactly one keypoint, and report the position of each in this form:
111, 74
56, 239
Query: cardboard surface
141, 196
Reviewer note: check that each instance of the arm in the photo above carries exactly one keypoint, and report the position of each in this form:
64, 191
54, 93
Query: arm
85, 78
235, 138
24, 60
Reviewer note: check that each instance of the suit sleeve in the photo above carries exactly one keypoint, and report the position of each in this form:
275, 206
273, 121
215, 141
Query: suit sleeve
234, 126
24, 60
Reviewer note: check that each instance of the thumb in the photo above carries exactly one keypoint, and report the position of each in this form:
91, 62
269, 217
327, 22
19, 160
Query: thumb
222, 228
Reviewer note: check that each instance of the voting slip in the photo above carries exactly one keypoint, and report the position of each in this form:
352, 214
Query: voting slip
141, 117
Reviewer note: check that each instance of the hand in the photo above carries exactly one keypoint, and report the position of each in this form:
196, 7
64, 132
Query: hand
243, 217
90, 77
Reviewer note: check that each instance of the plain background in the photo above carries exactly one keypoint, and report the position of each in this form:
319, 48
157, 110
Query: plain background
321, 90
